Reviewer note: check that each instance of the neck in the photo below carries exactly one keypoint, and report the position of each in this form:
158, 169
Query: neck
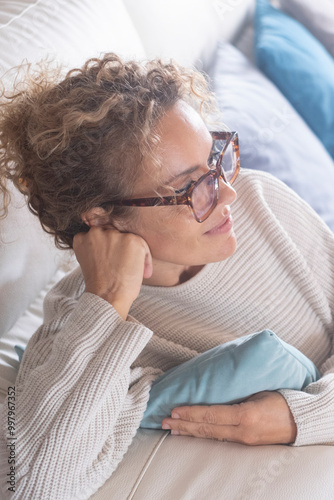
166, 274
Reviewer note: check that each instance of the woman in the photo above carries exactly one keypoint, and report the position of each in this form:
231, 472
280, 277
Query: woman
117, 163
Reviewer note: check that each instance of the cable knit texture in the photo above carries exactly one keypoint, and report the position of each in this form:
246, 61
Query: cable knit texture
84, 381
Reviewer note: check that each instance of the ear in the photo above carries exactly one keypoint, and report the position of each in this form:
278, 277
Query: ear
95, 217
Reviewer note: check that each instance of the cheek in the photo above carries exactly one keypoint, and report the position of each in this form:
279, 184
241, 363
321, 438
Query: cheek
173, 235
168, 229
177, 223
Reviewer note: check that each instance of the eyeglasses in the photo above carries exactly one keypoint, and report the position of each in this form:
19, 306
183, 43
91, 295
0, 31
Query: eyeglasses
202, 195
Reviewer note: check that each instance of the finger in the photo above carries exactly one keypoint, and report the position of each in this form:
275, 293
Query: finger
214, 414
201, 430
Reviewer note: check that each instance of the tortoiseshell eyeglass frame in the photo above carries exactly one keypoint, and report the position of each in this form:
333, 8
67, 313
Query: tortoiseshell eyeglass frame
185, 197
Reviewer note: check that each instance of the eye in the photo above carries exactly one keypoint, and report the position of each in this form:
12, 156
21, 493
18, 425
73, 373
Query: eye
185, 188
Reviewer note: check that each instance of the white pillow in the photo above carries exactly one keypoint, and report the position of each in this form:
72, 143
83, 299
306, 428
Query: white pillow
20, 334
317, 16
272, 135
187, 30
70, 30
28, 260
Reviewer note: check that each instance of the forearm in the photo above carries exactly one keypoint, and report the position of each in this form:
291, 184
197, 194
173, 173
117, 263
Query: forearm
70, 398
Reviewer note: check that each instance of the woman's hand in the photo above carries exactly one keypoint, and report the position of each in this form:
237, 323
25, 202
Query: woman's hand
264, 418
113, 265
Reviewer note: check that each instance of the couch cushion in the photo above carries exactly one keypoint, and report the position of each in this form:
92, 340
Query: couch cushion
191, 468
187, 468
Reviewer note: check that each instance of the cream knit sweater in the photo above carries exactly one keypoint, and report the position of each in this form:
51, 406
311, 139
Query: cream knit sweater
84, 381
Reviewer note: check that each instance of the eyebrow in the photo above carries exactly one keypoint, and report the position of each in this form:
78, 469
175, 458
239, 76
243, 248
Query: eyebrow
183, 174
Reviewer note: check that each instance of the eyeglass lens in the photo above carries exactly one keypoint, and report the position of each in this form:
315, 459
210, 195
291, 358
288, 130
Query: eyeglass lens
205, 194
228, 158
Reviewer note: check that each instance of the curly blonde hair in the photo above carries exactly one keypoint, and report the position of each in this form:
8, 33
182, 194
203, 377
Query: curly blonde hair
70, 144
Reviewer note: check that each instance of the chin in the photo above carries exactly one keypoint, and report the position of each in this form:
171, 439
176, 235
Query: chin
226, 248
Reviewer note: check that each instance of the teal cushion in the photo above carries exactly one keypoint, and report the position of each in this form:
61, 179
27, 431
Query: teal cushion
19, 351
228, 374
300, 67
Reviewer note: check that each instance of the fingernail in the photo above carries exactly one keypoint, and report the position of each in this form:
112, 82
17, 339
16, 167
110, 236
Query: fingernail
175, 415
165, 426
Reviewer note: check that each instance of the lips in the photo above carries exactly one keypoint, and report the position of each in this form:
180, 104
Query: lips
223, 226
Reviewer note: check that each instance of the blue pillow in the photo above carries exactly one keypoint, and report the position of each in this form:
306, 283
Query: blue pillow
228, 374
300, 67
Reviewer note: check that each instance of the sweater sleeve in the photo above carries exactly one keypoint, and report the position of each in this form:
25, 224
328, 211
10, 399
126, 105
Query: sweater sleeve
312, 408
78, 402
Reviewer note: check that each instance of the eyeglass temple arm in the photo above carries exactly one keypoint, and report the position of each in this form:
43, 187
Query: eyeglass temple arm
154, 202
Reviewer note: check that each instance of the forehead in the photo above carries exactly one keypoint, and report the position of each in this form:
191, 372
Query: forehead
184, 142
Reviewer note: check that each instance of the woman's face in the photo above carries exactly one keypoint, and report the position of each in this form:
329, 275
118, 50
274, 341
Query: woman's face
178, 243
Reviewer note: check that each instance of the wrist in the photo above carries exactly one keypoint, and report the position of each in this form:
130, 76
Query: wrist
120, 304
121, 307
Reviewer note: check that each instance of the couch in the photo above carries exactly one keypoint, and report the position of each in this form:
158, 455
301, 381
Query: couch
217, 36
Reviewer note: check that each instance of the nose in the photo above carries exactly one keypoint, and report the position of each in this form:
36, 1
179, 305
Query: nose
227, 194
